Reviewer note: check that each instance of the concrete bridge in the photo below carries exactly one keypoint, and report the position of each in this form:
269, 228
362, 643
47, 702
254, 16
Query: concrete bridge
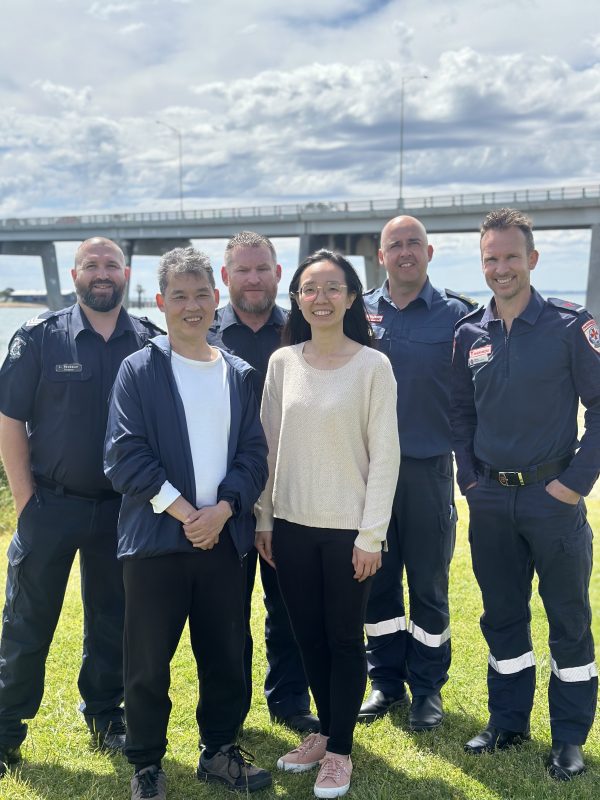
351, 227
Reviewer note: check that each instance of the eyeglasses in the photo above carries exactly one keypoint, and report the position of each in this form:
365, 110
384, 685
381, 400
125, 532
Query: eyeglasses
331, 290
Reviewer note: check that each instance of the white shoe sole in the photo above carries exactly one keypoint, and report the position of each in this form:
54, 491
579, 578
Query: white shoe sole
339, 791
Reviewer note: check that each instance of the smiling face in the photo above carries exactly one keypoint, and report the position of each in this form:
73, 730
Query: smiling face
507, 265
405, 254
251, 275
189, 304
325, 308
100, 275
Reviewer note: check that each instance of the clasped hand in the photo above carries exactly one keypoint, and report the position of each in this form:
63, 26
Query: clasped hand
204, 525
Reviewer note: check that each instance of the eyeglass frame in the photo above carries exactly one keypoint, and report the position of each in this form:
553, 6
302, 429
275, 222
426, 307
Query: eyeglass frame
300, 293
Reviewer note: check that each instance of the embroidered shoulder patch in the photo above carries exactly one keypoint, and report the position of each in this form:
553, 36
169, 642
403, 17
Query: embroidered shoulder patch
17, 346
592, 334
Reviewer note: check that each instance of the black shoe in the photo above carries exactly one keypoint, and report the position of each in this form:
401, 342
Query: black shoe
111, 739
426, 712
378, 704
492, 738
304, 722
565, 761
8, 756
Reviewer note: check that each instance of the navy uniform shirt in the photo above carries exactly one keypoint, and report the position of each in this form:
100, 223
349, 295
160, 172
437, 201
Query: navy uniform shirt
57, 378
418, 342
255, 347
515, 396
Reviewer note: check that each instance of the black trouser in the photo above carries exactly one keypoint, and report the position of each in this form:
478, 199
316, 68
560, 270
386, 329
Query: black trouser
206, 587
420, 540
514, 530
50, 531
286, 687
327, 609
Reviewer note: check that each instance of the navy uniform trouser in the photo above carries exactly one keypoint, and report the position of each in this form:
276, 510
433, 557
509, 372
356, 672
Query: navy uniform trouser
514, 531
50, 531
420, 540
286, 686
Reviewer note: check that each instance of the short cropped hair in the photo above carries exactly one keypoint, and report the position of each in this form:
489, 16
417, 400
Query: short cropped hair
504, 218
180, 261
248, 239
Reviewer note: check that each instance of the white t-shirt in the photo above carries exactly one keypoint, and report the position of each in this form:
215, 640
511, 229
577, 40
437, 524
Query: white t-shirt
204, 390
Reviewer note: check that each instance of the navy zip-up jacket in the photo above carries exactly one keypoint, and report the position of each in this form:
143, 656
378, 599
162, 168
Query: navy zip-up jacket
147, 443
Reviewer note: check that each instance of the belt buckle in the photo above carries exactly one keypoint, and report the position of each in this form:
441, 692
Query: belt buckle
508, 478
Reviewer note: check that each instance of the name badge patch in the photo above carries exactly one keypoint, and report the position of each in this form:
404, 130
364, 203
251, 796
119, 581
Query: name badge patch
375, 317
75, 367
592, 334
480, 355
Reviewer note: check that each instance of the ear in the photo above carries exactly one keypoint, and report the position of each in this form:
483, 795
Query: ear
278, 272
532, 259
224, 275
380, 256
217, 296
127, 271
429, 252
351, 299
74, 274
160, 302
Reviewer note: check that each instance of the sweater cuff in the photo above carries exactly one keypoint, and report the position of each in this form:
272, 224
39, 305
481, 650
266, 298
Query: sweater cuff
167, 495
264, 519
369, 541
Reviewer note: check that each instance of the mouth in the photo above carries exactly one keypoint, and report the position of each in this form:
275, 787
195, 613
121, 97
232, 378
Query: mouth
322, 312
193, 320
503, 281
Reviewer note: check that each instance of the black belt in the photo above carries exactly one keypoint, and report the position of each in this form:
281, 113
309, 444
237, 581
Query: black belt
61, 490
508, 477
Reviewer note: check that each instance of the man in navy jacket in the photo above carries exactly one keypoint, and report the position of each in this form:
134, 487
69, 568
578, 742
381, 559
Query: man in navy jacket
186, 449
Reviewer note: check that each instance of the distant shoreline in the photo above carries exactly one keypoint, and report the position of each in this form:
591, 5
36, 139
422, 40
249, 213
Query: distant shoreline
18, 304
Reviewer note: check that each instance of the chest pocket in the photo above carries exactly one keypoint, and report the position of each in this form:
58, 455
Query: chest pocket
67, 382
431, 335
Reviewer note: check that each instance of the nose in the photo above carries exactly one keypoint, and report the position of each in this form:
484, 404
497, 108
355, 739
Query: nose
321, 290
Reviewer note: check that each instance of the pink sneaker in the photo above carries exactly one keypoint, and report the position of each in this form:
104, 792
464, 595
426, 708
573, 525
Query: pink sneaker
306, 756
333, 779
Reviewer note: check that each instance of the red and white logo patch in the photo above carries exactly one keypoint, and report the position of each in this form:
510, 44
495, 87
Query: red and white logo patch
592, 334
375, 317
480, 355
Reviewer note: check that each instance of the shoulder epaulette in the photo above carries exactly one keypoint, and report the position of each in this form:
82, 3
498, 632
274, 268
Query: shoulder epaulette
468, 301
34, 321
567, 305
148, 324
470, 317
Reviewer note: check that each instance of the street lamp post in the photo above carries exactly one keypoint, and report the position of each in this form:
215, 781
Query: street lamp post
404, 81
180, 138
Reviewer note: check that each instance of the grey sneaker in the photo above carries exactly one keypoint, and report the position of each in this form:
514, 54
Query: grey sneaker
233, 766
149, 782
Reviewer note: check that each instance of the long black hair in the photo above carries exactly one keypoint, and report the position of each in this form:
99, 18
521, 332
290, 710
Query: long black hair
356, 324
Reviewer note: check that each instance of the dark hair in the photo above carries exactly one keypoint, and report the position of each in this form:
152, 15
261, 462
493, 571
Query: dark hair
182, 261
356, 324
504, 218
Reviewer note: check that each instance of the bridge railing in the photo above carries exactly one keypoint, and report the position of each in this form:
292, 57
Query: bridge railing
519, 197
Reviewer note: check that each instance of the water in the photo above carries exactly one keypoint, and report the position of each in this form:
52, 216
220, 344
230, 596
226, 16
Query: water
12, 318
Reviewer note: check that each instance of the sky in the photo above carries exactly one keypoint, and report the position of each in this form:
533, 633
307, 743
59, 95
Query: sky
295, 102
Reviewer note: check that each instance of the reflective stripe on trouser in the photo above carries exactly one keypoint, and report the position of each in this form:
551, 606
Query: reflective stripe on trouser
420, 540
512, 531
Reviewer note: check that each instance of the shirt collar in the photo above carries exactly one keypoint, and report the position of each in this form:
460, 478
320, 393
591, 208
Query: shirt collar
529, 314
277, 317
79, 322
426, 294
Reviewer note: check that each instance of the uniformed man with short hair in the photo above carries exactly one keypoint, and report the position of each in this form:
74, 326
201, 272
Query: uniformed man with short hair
520, 368
414, 325
250, 326
54, 388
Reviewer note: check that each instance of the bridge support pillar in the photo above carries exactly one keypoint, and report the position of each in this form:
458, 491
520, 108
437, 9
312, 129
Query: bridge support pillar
365, 245
51, 277
592, 300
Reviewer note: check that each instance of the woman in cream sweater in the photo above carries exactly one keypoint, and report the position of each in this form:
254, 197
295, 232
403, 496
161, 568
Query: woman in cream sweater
329, 414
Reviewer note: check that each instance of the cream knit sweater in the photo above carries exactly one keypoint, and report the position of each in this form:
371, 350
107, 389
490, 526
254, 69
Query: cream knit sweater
333, 443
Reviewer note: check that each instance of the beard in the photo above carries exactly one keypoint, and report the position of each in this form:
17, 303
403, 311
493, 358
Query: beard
239, 300
104, 302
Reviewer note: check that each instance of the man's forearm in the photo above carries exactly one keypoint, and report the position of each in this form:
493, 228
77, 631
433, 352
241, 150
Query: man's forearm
14, 449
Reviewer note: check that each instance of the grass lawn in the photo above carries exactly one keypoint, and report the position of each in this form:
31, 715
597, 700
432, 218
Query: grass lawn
390, 763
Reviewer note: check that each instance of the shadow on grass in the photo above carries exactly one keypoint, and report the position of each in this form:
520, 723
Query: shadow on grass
516, 773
